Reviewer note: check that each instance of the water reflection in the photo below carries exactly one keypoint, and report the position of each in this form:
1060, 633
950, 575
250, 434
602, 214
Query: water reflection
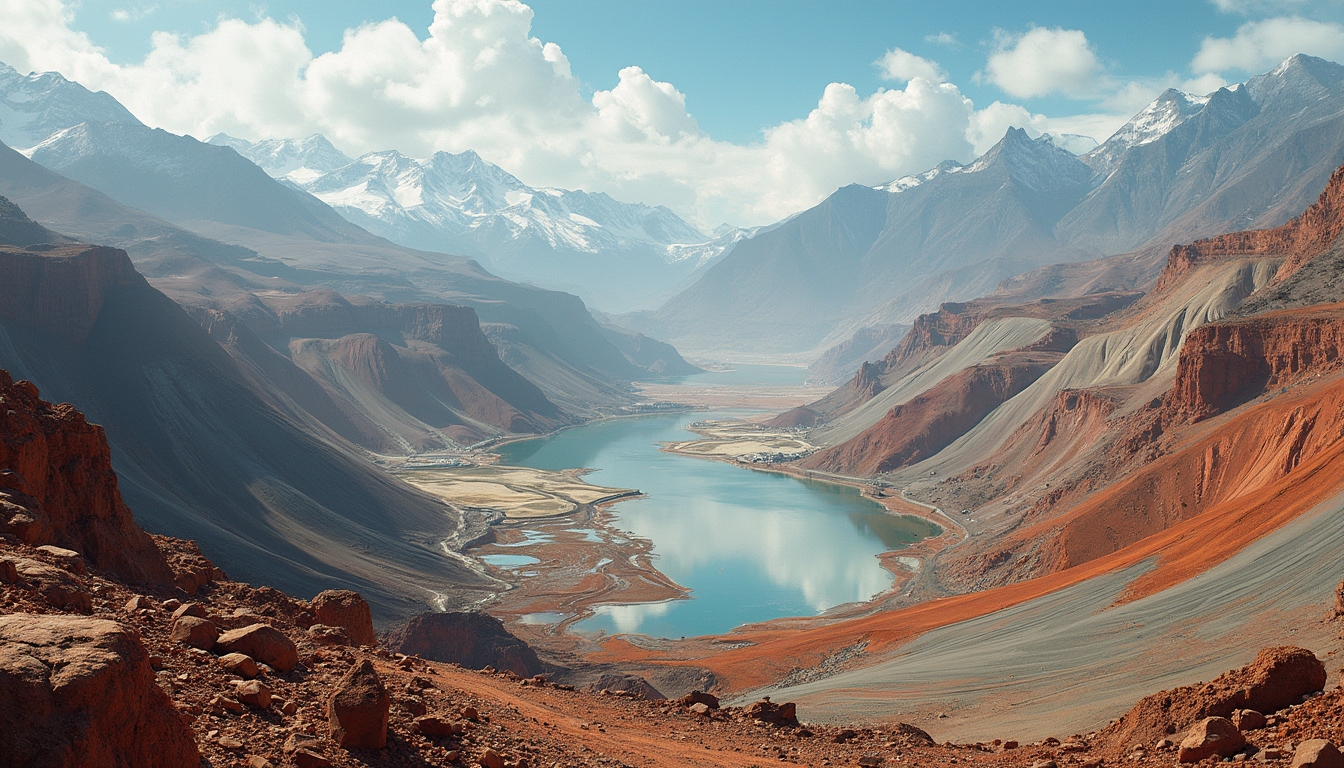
750, 545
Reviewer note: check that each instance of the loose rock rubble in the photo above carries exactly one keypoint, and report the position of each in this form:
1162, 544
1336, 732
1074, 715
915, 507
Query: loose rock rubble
246, 710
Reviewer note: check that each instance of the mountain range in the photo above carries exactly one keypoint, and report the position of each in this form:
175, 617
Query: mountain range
248, 349
1022, 215
617, 256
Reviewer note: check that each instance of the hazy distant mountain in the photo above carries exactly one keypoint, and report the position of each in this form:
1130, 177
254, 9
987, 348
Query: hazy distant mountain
864, 253
34, 106
212, 191
618, 256
185, 181
1184, 167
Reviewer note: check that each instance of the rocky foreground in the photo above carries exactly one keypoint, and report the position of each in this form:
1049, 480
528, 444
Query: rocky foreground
94, 672
120, 649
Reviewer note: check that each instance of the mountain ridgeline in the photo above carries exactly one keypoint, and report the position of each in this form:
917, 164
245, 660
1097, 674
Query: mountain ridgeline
1028, 215
618, 256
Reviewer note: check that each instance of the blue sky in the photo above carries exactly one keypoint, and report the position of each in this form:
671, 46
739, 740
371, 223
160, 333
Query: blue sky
725, 111
745, 65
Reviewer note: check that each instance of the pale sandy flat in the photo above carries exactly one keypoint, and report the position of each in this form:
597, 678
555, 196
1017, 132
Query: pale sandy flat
517, 492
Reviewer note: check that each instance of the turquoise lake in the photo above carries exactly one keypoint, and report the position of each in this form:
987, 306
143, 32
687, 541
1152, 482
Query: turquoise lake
751, 546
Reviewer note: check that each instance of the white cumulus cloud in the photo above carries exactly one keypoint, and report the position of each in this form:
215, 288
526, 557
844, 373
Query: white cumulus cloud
478, 79
1259, 45
1044, 61
903, 66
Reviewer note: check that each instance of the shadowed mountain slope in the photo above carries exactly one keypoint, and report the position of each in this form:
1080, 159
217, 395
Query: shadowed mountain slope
547, 336
203, 455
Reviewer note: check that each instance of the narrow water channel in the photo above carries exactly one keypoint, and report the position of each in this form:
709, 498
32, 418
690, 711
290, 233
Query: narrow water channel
751, 546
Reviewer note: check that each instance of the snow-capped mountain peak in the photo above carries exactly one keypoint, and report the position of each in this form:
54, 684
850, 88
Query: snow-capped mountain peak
460, 203
32, 107
297, 160
1039, 165
914, 180
1152, 122
456, 193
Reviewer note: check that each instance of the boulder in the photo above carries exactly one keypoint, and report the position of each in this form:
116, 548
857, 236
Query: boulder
68, 559
1210, 736
474, 640
239, 664
1279, 676
263, 643
347, 610
1317, 753
137, 603
77, 692
1248, 720
632, 684
307, 758
436, 727
358, 709
190, 609
195, 632
699, 697
253, 693
766, 711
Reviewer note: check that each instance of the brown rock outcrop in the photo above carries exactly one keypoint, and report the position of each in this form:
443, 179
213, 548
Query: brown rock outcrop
767, 711
944, 328
1279, 676
1317, 753
699, 697
57, 587
195, 632
632, 684
1210, 736
474, 640
79, 693
191, 569
253, 693
263, 643
347, 610
358, 709
57, 485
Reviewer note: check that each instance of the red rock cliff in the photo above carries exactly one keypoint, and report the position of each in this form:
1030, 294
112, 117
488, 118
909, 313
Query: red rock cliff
1300, 240
1225, 364
944, 328
57, 486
